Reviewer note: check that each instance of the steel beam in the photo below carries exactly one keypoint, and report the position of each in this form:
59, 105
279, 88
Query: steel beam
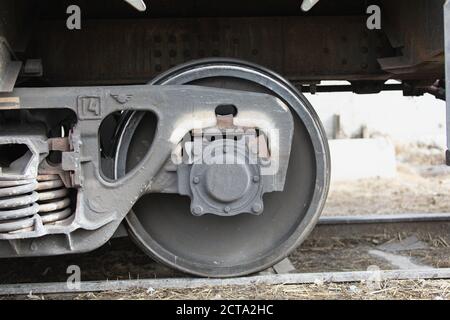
447, 70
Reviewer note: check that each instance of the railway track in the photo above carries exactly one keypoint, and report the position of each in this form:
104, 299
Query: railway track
389, 238
188, 283
417, 223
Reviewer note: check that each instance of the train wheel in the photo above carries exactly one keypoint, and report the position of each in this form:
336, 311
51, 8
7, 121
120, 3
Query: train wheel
215, 246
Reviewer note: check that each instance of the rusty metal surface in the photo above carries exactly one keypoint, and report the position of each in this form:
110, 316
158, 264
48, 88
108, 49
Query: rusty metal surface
59, 144
133, 51
118, 44
331, 42
418, 36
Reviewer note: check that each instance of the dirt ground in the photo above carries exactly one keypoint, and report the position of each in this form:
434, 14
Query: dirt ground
403, 290
422, 185
386, 290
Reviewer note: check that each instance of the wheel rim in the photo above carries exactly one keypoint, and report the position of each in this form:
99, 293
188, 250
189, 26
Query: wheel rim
231, 246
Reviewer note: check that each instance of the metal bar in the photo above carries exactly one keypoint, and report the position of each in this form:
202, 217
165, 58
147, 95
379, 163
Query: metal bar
137, 4
350, 227
308, 4
346, 88
384, 218
447, 70
189, 283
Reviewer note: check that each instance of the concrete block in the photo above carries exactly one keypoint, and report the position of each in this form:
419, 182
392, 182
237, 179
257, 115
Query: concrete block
354, 159
403, 119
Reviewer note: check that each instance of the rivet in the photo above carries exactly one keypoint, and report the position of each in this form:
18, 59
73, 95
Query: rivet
257, 208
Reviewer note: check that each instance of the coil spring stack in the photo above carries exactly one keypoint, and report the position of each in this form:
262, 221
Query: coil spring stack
22, 201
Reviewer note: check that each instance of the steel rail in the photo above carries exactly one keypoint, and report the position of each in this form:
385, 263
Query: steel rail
190, 283
385, 218
348, 227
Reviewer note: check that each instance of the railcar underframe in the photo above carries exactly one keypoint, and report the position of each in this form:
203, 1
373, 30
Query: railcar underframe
133, 119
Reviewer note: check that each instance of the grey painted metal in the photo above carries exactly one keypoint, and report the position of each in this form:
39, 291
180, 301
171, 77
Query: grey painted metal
9, 68
385, 218
224, 189
295, 210
191, 283
18, 186
101, 203
284, 266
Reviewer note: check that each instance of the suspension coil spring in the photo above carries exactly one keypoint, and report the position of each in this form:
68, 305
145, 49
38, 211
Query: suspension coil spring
22, 200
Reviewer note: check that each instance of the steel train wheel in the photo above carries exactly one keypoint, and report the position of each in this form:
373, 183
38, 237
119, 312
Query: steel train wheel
214, 246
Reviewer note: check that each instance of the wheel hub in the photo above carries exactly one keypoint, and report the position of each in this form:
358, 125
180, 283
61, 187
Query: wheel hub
223, 181
227, 183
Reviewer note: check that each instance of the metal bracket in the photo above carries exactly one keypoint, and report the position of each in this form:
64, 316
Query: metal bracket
447, 70
137, 4
308, 4
9, 69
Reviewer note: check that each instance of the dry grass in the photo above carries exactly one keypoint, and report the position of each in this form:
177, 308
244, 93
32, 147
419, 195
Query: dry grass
413, 190
404, 290
420, 154
386, 196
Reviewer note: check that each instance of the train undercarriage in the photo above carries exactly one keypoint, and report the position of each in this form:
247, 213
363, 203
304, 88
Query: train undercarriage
186, 122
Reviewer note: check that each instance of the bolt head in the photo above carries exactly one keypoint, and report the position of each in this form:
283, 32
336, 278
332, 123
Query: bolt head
256, 179
197, 210
257, 208
227, 209
196, 180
